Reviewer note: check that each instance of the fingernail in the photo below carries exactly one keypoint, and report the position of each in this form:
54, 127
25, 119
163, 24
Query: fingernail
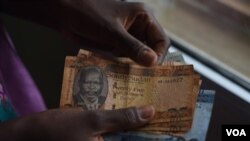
147, 57
146, 112
160, 59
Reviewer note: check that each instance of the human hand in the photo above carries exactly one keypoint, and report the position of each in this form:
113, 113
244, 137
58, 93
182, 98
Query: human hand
121, 28
74, 124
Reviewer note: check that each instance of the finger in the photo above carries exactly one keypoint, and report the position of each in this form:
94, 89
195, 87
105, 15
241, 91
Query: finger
128, 46
138, 28
157, 39
135, 49
122, 119
96, 47
146, 28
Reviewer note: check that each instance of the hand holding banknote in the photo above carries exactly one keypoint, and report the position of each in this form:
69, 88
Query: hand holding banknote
93, 82
115, 27
119, 28
74, 124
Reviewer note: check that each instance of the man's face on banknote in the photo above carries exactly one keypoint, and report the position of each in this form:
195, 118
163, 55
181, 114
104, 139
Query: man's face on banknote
91, 86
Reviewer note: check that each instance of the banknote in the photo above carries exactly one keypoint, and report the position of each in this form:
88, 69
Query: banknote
203, 111
175, 124
92, 82
171, 58
175, 56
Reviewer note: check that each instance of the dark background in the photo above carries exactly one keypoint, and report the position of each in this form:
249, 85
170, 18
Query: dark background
43, 51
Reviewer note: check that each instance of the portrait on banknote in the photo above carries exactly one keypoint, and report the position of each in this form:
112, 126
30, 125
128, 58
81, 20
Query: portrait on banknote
90, 88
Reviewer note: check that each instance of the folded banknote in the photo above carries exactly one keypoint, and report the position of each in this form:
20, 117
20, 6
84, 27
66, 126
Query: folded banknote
203, 111
92, 81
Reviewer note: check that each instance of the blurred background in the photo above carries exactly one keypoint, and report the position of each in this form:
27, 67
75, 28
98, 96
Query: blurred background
215, 34
215, 31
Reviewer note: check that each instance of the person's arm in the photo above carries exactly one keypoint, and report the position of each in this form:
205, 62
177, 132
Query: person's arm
121, 28
73, 124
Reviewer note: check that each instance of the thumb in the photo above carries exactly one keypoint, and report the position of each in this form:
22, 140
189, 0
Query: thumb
122, 119
135, 49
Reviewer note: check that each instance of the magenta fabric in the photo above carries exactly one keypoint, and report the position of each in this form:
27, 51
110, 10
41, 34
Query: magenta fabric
21, 90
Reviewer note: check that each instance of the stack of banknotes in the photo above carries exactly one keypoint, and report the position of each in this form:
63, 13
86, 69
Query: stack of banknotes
92, 81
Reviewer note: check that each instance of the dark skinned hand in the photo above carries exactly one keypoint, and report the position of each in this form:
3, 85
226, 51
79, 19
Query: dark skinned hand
74, 124
120, 28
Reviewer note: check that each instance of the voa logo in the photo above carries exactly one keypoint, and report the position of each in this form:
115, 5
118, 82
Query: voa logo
236, 132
